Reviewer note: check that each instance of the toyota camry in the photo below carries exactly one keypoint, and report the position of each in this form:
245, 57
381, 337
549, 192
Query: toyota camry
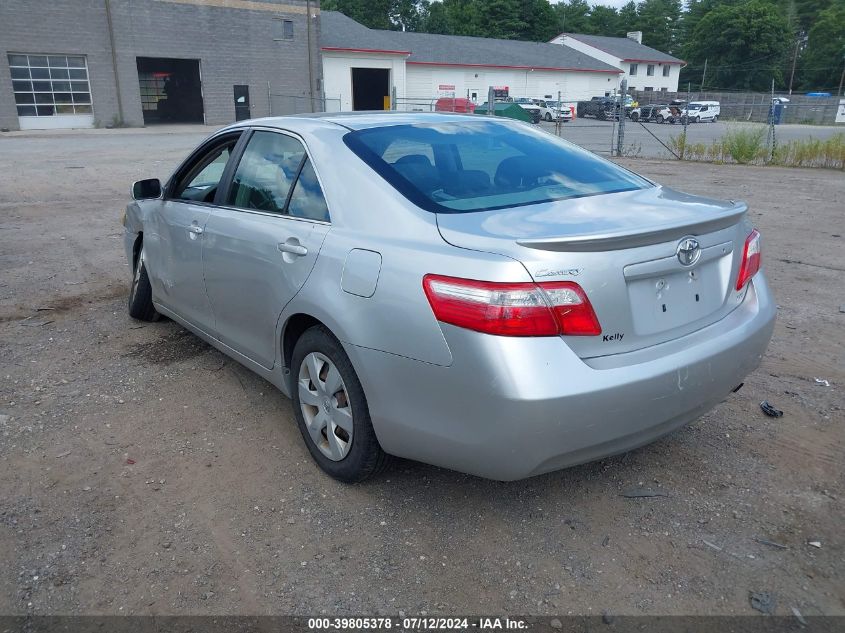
470, 292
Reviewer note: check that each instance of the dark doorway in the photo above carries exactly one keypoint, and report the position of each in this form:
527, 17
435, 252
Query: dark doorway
171, 91
370, 86
241, 103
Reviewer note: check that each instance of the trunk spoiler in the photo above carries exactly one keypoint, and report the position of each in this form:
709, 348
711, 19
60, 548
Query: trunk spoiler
633, 237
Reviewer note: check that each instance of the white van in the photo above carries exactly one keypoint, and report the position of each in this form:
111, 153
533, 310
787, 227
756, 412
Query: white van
703, 111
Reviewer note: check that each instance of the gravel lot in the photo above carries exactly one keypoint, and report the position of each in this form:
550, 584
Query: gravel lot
142, 472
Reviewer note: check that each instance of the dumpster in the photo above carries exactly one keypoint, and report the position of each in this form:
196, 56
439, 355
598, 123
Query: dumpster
510, 110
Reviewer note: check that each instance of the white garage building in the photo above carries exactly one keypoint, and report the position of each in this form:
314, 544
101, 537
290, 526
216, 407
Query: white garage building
645, 68
362, 67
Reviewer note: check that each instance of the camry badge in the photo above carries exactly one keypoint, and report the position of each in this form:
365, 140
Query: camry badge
688, 251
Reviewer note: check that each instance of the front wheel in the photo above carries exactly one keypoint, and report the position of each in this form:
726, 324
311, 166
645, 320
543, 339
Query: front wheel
697, 119
331, 409
660, 118
548, 117
634, 117
141, 292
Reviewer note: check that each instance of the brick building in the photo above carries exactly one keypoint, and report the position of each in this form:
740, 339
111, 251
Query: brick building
80, 63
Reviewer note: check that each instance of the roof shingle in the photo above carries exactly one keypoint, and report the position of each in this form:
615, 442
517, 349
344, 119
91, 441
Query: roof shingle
625, 48
342, 32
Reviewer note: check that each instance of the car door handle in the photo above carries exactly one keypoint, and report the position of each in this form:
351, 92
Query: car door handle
196, 230
293, 247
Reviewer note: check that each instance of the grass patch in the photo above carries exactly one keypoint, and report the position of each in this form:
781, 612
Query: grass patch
748, 146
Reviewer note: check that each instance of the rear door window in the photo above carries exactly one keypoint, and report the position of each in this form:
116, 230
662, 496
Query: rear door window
266, 172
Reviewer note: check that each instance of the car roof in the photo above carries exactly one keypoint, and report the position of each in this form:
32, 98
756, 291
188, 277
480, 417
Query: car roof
360, 120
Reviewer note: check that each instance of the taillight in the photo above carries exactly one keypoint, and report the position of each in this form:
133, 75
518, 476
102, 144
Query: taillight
750, 260
512, 309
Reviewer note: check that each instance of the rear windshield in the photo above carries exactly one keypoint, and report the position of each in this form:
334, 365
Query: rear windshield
478, 165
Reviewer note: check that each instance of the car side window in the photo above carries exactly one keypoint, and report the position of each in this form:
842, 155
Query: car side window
266, 172
200, 181
307, 199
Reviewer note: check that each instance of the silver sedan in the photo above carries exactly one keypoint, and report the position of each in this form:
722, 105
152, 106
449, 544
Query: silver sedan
464, 291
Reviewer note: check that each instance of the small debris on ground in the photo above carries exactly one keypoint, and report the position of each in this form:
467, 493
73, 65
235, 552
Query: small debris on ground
712, 545
798, 616
763, 541
762, 601
814, 544
65, 454
770, 411
822, 381
637, 492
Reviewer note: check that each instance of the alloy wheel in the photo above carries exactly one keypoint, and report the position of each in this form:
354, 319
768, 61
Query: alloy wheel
325, 406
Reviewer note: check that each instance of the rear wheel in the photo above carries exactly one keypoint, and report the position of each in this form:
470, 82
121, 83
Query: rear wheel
660, 118
549, 117
331, 409
635, 116
141, 293
697, 119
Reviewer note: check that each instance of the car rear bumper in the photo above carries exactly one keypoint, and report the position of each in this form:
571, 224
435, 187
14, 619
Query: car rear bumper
509, 408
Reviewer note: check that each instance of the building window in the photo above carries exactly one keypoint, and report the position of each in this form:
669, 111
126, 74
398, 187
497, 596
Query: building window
666, 70
664, 89
50, 85
649, 70
649, 88
284, 30
633, 70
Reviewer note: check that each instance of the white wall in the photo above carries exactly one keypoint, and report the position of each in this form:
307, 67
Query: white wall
641, 80
337, 74
423, 81
419, 85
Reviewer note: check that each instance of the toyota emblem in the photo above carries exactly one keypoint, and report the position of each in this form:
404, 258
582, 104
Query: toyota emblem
688, 251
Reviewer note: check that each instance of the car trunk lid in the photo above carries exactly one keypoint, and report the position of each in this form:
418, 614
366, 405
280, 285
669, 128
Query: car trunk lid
623, 250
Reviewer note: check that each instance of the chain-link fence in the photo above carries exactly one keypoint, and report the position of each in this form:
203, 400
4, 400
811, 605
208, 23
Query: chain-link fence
755, 106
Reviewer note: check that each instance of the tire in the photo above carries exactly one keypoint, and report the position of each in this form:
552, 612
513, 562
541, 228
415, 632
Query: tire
697, 119
602, 115
549, 117
349, 454
635, 117
715, 118
141, 292
660, 118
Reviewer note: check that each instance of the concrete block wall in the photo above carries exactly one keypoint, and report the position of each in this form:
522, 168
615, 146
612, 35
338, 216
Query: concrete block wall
236, 41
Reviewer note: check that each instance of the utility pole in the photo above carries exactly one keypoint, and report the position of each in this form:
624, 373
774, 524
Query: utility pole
703, 75
842, 77
621, 139
794, 60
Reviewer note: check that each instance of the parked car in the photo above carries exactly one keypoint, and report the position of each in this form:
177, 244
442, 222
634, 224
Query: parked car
669, 114
703, 111
560, 111
453, 104
503, 314
647, 112
599, 107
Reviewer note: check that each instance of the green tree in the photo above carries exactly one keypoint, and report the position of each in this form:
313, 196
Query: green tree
573, 16
604, 20
660, 22
745, 46
822, 60
628, 19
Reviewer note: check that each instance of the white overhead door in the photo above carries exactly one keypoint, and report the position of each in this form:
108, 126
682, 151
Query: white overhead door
51, 91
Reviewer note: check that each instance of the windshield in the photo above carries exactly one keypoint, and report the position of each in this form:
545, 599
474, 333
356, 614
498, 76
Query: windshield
460, 167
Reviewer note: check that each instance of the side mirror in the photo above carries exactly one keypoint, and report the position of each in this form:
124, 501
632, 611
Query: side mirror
146, 189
